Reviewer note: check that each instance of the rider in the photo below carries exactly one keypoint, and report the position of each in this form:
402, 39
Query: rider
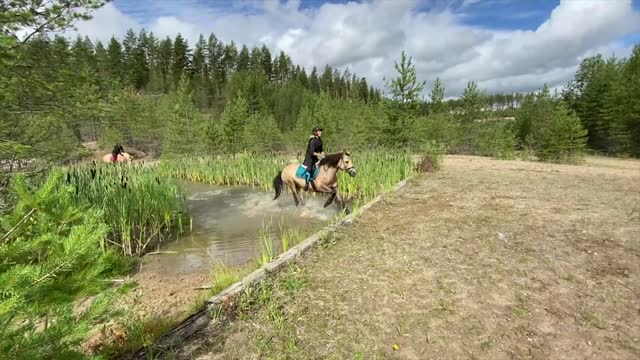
117, 150
313, 154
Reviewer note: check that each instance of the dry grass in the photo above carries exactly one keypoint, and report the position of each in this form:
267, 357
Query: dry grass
484, 259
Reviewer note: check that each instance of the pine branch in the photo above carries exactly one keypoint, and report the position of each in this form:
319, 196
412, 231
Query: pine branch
50, 274
18, 224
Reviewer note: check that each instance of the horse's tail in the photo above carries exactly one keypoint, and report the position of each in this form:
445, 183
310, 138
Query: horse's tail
278, 184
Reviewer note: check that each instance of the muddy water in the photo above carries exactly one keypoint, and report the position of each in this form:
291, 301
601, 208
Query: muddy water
227, 223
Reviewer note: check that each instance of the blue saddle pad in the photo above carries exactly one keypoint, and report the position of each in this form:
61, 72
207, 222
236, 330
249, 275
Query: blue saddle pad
301, 172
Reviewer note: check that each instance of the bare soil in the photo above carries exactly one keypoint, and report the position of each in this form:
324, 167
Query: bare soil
483, 259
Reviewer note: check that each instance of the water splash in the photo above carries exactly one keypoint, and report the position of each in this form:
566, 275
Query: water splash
199, 196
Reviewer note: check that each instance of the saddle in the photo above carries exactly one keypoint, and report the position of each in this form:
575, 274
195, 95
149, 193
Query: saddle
302, 173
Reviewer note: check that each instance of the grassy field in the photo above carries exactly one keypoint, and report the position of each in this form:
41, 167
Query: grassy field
484, 259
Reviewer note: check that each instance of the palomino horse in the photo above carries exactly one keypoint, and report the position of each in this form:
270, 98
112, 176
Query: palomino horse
121, 158
325, 182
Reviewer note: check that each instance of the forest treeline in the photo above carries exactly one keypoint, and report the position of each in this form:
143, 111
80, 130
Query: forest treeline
164, 97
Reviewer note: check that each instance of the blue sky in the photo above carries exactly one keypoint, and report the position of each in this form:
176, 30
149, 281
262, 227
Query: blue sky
503, 45
492, 14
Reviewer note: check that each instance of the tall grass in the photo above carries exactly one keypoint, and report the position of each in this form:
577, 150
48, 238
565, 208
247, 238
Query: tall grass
288, 236
378, 171
140, 206
241, 169
266, 243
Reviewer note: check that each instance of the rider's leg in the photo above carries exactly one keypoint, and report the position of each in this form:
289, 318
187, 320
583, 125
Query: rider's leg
308, 164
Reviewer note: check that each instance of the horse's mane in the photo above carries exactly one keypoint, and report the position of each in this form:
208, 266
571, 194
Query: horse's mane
331, 159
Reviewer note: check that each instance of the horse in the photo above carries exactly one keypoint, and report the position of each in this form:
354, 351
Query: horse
325, 182
121, 158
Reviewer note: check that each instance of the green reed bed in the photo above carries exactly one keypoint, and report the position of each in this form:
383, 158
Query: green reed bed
377, 172
242, 169
141, 207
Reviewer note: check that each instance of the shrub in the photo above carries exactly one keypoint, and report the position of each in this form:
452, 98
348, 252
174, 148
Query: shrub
53, 254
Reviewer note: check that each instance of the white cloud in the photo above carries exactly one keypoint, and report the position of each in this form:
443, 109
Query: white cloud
107, 21
369, 36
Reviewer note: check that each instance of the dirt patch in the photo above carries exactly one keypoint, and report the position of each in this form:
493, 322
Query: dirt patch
169, 294
484, 259
156, 300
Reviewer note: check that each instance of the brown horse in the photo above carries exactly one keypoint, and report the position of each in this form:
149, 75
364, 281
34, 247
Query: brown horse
326, 182
124, 157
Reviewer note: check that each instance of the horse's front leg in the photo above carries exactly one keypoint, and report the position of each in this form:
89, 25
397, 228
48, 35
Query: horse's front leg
334, 192
340, 203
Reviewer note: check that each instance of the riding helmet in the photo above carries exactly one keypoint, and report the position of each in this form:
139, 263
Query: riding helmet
316, 129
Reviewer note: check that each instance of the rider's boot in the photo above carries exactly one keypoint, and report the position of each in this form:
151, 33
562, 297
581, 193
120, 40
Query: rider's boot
307, 181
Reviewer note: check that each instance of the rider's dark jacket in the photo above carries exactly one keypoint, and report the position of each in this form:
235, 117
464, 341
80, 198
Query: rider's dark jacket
314, 146
117, 149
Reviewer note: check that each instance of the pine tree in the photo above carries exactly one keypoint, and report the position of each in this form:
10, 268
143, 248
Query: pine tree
217, 70
363, 90
631, 93
472, 101
200, 73
326, 80
234, 120
139, 64
314, 82
262, 134
405, 88
128, 45
255, 59
116, 66
50, 262
550, 128
305, 122
164, 60
302, 78
230, 57
185, 130
180, 59
214, 134
102, 63
266, 61
401, 110
437, 97
243, 59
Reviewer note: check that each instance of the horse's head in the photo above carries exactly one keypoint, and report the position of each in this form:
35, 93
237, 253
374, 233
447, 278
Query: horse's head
346, 163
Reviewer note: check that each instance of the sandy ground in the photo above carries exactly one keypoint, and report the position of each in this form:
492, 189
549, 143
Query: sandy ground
485, 259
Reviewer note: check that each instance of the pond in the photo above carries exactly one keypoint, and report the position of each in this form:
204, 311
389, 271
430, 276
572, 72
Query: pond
227, 222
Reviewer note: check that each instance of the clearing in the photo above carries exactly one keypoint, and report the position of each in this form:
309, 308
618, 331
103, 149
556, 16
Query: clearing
484, 259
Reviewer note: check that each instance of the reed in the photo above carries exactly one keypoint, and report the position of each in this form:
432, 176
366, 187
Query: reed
266, 243
141, 207
378, 171
241, 169
288, 236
